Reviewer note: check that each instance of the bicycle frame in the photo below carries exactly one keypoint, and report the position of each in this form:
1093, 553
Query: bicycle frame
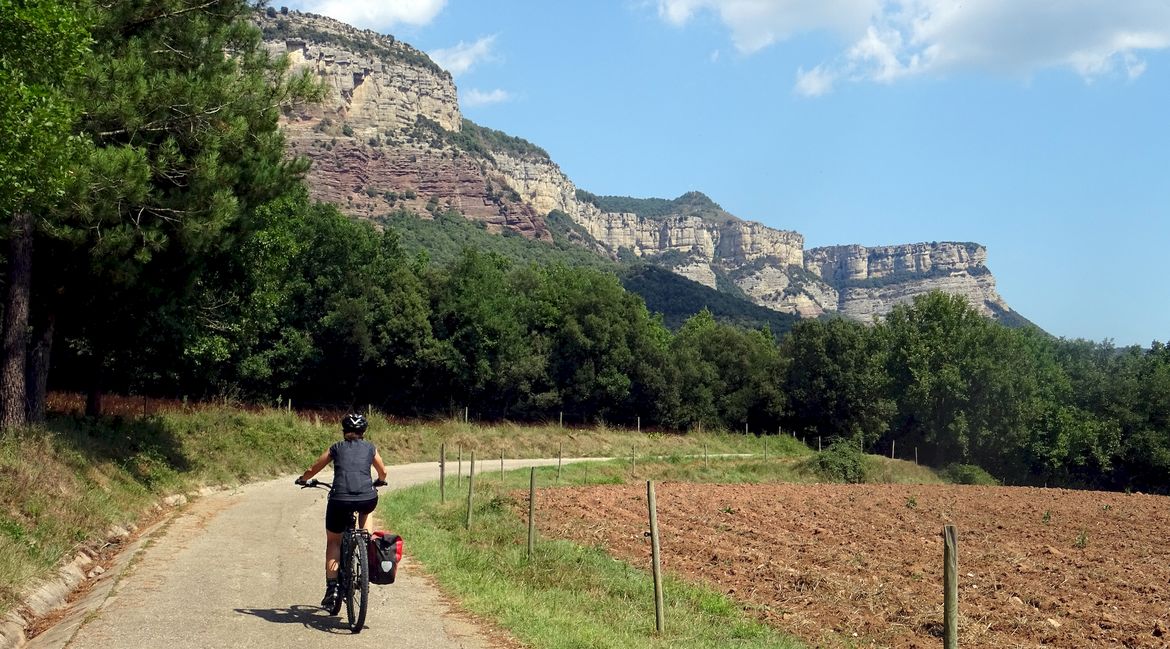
353, 589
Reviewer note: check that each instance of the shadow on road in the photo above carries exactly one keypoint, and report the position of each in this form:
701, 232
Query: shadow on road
311, 617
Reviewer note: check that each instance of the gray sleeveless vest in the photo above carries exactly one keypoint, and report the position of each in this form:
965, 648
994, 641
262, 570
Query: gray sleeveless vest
351, 470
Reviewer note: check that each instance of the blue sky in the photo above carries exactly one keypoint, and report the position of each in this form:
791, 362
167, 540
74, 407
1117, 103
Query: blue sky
1039, 128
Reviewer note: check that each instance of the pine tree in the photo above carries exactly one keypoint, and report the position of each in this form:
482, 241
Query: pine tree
42, 45
181, 120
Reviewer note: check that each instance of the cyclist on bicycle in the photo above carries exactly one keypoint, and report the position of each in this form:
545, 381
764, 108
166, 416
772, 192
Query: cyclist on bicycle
352, 493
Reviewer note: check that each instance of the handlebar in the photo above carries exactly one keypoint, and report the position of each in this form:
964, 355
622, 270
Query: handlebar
329, 485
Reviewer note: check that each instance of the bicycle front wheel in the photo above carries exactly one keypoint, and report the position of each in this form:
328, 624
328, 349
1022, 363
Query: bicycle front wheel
356, 599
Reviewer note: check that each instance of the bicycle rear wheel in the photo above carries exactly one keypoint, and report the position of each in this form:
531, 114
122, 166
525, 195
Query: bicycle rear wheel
357, 595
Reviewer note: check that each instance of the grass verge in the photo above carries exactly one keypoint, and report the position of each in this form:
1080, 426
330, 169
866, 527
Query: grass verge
568, 596
63, 485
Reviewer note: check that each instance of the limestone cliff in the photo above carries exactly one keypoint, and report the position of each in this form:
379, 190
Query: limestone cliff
871, 280
390, 136
384, 138
772, 268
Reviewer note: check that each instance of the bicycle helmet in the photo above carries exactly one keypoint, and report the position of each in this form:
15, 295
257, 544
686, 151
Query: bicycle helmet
354, 422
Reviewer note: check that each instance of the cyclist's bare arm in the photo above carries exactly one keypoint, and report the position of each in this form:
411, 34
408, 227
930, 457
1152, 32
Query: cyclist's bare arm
321, 463
379, 466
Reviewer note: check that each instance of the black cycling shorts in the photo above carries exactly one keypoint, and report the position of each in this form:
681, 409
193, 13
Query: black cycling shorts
338, 514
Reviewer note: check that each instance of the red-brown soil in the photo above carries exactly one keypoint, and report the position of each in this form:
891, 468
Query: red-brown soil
861, 565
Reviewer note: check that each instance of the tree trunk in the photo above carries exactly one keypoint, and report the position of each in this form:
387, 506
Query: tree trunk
13, 411
37, 376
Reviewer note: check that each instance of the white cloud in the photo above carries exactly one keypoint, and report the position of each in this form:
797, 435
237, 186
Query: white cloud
1134, 67
815, 82
756, 24
464, 56
889, 40
475, 97
379, 15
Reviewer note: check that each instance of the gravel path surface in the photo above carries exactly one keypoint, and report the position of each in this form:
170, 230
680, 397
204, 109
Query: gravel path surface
243, 568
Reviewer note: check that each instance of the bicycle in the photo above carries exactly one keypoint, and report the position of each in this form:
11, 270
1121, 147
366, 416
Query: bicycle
353, 577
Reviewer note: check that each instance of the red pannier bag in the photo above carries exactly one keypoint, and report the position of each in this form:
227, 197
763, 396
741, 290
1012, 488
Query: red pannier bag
385, 553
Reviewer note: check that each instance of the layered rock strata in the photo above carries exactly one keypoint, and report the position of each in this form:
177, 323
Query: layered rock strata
369, 155
387, 138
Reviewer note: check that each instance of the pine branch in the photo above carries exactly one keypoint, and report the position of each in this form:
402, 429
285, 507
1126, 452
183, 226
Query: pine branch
134, 26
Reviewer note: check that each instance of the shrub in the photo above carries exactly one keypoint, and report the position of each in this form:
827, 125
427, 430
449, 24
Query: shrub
347, 130
842, 461
968, 474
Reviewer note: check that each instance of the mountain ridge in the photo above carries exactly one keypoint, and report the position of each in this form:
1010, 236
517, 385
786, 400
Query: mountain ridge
391, 137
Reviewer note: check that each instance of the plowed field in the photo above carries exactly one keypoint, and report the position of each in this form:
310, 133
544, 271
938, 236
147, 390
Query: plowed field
861, 565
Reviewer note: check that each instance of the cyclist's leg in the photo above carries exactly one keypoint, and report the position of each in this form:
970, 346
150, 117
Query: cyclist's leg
337, 518
332, 554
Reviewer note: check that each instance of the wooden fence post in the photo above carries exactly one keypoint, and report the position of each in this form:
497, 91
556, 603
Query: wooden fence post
915, 456
706, 460
893, 445
531, 511
443, 472
656, 562
470, 490
459, 472
818, 443
560, 452
639, 424
562, 422
950, 588
765, 448
501, 465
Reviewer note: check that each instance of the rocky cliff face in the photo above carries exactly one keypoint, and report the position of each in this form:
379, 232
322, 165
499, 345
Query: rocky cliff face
390, 136
869, 281
376, 83
772, 268
378, 142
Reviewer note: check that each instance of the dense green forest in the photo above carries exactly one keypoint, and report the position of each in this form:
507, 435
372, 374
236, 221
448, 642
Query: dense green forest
159, 241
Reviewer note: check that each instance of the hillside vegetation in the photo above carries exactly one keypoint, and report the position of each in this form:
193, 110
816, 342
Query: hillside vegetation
678, 298
689, 204
443, 239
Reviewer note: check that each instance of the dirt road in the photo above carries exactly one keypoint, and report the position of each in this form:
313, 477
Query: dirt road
243, 568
